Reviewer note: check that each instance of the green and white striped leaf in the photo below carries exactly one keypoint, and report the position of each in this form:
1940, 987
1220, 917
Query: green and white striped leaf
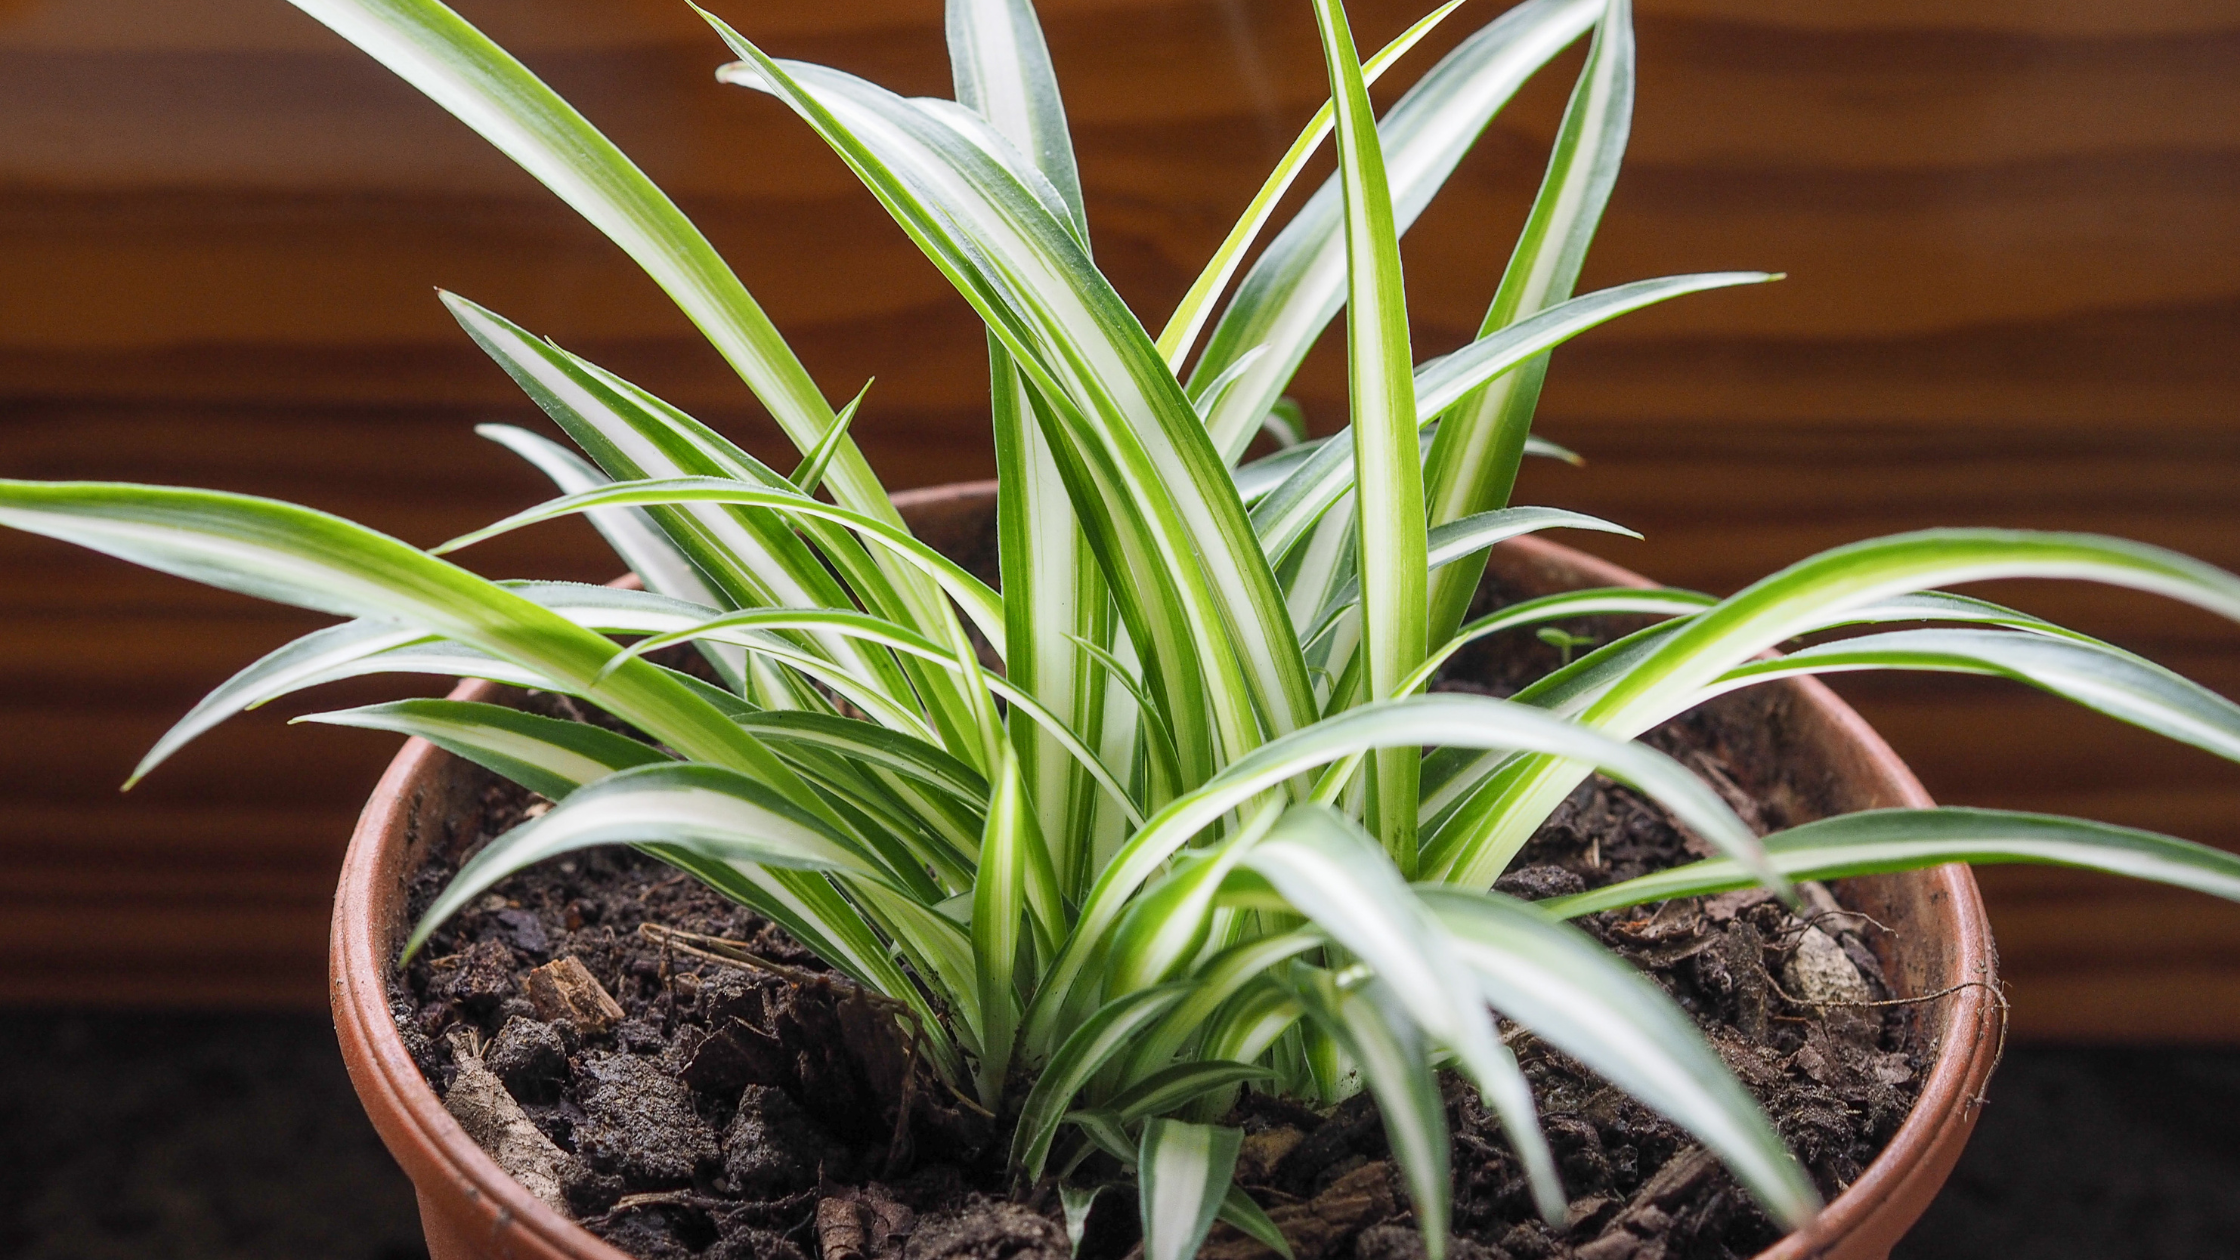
1169, 492
928, 842
1285, 422
869, 744
1810, 594
452, 660
1572, 687
1075, 1203
982, 605
290, 667
1388, 485
632, 533
1256, 479
1446, 381
1874, 841
1592, 1006
1110, 514
1001, 68
1167, 1090
2095, 675
645, 434
1155, 738
752, 629
1079, 1058
480, 84
1239, 1211
718, 814
1264, 1015
549, 756
1335, 875
1944, 606
1298, 283
1287, 511
613, 609
1189, 317
940, 949
1450, 774
762, 629
1473, 465
1054, 598
1595, 602
1013, 891
461, 70
1210, 986
298, 556
999, 917
750, 554
1103, 1132
1373, 1031
1169, 923
809, 476
1464, 721
1183, 1172
367, 646
1456, 539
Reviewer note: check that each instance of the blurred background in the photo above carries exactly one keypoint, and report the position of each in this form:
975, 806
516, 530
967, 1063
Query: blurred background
2011, 229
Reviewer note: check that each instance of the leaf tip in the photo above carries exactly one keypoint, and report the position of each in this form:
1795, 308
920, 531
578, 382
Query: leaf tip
744, 74
461, 308
1548, 1198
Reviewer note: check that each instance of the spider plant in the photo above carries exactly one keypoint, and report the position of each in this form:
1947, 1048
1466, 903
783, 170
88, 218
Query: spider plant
1153, 822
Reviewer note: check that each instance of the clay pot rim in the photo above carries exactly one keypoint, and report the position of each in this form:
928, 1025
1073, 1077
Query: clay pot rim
441, 1159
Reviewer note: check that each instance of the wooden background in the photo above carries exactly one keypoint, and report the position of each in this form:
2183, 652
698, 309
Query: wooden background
2012, 229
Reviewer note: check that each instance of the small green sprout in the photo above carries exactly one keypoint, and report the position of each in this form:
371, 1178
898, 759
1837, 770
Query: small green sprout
1563, 641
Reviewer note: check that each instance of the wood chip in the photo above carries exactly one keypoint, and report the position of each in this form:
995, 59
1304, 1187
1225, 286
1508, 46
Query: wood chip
1638, 1232
566, 989
1262, 1151
840, 1233
1323, 1226
1723, 908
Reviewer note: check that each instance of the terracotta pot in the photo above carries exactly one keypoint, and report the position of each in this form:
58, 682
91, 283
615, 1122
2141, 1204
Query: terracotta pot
1814, 757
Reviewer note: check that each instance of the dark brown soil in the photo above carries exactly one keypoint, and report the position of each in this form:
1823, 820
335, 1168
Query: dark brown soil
735, 1114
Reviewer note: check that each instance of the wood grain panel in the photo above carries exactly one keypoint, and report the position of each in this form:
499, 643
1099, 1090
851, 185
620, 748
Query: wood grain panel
2011, 228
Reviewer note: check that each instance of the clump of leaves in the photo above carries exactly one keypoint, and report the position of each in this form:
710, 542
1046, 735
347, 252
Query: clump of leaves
1185, 839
